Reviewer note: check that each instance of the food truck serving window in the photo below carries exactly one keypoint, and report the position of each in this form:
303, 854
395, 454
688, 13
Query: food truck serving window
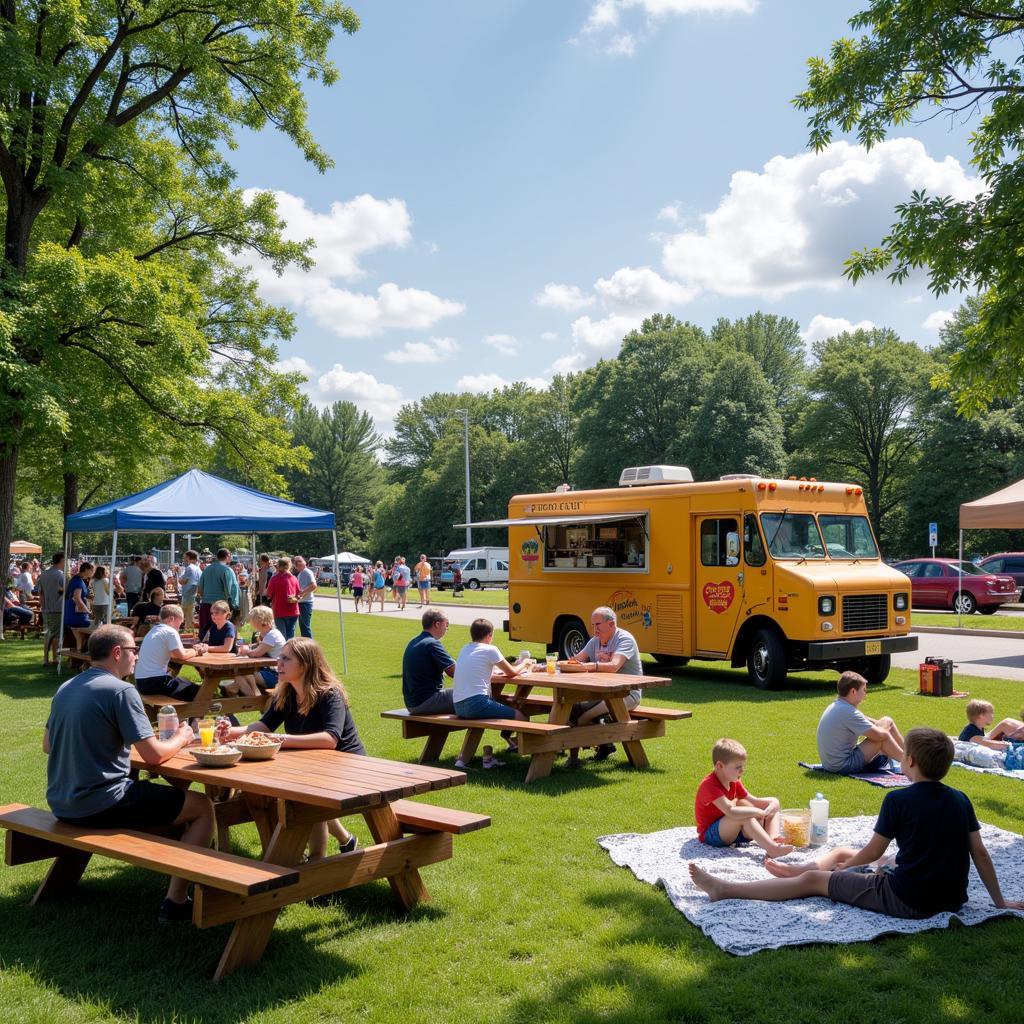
619, 544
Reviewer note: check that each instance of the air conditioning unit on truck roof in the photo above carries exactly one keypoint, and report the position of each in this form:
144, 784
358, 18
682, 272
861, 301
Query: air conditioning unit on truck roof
641, 476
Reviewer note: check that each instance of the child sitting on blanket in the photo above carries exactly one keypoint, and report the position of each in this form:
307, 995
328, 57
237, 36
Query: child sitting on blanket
937, 834
980, 714
727, 815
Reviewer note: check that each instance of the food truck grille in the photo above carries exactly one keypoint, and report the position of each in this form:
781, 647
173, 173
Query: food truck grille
865, 611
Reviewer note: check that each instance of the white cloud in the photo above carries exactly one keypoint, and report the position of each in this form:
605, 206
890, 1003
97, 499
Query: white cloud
641, 288
549, 336
359, 315
793, 224
433, 350
822, 327
295, 364
604, 22
379, 399
671, 213
566, 297
503, 344
937, 320
602, 337
484, 383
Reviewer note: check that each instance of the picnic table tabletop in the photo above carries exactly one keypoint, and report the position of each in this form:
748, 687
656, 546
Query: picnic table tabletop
286, 797
589, 682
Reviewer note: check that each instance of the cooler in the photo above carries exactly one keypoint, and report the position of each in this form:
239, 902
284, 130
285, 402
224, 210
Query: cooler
936, 677
945, 665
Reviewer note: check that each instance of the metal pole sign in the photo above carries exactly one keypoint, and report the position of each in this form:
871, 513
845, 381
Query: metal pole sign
933, 536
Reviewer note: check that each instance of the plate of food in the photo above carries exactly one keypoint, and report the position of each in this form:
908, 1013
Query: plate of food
259, 746
222, 756
573, 666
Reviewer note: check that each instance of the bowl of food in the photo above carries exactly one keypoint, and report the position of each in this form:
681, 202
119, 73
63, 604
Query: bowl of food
259, 746
222, 756
796, 826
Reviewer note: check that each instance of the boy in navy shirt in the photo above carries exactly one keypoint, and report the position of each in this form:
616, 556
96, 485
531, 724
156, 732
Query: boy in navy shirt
938, 836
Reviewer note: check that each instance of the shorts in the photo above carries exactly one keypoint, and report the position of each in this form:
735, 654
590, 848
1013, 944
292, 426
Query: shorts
712, 837
357, 591
871, 891
482, 706
51, 624
439, 703
143, 805
423, 584
269, 677
167, 686
400, 591
855, 763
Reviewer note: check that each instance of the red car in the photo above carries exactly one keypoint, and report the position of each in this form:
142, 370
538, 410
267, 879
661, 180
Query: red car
962, 586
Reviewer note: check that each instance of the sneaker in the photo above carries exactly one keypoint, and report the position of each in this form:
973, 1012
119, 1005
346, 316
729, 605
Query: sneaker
171, 912
493, 762
461, 765
604, 751
350, 846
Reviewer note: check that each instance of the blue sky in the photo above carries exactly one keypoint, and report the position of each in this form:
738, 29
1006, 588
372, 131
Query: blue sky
519, 182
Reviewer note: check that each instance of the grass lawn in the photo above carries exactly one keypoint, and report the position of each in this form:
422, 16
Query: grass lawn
531, 921
491, 598
997, 621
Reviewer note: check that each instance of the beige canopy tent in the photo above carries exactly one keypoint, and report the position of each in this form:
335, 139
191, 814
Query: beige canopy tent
1001, 510
25, 547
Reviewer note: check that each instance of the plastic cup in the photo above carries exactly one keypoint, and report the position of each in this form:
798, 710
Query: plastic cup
206, 732
551, 664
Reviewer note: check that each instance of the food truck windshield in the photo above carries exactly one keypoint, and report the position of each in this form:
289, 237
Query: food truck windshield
792, 535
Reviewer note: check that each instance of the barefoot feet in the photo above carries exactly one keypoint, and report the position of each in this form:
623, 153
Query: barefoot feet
711, 885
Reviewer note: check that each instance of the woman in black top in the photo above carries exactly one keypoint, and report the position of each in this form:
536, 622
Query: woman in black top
311, 703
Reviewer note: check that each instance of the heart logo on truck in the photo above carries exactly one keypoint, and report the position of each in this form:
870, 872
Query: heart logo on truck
718, 596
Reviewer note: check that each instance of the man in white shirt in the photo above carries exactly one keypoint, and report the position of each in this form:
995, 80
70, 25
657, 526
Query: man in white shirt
307, 586
160, 646
24, 584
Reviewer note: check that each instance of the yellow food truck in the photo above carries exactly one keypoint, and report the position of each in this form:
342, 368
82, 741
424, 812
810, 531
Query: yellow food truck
775, 574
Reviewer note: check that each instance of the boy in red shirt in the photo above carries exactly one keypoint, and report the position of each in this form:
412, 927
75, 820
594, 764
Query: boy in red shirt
727, 815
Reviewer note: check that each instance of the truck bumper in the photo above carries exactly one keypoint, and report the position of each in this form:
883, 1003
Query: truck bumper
841, 650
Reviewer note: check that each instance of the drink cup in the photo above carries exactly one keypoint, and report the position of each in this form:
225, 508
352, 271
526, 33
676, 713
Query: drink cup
551, 664
206, 732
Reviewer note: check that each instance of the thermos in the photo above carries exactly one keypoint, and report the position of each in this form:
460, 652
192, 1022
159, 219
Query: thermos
819, 820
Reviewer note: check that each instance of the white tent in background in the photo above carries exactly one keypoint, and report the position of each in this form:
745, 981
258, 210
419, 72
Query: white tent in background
344, 558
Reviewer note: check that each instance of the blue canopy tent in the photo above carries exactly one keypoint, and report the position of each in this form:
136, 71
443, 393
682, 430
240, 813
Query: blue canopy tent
197, 502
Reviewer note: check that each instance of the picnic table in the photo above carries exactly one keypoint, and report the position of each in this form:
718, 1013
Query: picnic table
285, 797
544, 740
214, 669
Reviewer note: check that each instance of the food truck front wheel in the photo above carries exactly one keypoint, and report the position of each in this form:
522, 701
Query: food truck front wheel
766, 659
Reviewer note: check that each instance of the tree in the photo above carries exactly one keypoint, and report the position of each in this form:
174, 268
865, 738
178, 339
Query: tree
90, 96
920, 58
736, 428
861, 424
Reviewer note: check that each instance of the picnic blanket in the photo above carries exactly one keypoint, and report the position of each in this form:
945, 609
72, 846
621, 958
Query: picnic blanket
743, 927
887, 778
991, 771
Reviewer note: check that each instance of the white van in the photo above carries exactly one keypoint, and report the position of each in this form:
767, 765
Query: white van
481, 567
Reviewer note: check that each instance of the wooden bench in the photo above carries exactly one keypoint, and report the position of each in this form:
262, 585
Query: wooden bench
34, 835
539, 703
153, 702
437, 728
414, 817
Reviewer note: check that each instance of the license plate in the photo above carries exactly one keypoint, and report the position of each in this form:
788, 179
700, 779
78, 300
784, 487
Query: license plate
872, 646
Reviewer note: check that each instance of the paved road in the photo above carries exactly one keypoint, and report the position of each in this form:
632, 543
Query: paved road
460, 615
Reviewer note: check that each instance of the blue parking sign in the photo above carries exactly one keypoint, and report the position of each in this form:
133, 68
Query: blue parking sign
933, 534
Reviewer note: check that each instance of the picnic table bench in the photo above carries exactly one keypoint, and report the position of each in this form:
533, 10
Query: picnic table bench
543, 741
285, 797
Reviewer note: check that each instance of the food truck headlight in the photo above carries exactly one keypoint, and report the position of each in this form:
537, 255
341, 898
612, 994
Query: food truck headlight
899, 602
826, 606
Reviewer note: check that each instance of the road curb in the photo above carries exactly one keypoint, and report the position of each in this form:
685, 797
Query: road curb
1004, 634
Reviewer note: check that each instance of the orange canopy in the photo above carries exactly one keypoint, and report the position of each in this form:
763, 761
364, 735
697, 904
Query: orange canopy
1003, 510
24, 547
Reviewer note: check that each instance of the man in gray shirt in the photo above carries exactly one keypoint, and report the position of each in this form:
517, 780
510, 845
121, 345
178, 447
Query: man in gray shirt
307, 584
610, 649
842, 723
51, 603
94, 719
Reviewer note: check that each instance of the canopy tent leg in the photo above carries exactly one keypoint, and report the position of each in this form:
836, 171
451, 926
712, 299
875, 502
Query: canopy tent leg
173, 538
341, 614
67, 570
960, 561
113, 563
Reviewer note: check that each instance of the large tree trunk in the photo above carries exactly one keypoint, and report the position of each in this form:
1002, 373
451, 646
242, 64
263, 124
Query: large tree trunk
70, 494
8, 475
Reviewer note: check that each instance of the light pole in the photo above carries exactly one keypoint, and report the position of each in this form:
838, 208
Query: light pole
463, 414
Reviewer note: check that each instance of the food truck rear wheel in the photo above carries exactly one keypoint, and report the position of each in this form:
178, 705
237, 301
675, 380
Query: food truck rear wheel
766, 660
572, 638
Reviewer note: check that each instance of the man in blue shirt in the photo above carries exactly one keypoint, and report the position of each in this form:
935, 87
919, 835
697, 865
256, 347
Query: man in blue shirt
424, 666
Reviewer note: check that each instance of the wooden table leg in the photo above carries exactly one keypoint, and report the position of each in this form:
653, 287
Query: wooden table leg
434, 746
406, 885
63, 875
469, 744
249, 937
634, 748
541, 764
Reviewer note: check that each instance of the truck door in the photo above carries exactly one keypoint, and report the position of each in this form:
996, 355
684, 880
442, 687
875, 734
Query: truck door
719, 579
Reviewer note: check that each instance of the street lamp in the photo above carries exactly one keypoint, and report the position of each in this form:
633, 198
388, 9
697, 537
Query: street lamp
463, 414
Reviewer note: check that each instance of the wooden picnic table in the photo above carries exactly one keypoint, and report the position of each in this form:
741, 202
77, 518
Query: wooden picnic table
214, 669
286, 797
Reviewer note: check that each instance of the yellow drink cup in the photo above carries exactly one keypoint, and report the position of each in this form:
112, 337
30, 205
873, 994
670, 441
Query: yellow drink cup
206, 731
550, 664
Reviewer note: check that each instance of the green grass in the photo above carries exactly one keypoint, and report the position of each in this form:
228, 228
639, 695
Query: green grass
491, 598
1007, 622
530, 922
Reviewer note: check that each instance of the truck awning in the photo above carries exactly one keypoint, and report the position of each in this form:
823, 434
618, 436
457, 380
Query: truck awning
606, 517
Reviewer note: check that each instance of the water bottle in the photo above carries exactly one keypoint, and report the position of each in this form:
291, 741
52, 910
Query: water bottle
819, 820
167, 722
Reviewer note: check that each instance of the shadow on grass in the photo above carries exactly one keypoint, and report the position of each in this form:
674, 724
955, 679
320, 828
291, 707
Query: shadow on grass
104, 946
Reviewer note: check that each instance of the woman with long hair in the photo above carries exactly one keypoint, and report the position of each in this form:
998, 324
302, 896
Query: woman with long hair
311, 703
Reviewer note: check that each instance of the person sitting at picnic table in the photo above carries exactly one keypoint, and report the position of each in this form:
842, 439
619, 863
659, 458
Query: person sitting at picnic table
220, 637
188, 586
842, 723
217, 583
610, 649
160, 646
425, 663
477, 664
16, 614
149, 611
270, 644
25, 584
76, 606
283, 591
94, 719
311, 703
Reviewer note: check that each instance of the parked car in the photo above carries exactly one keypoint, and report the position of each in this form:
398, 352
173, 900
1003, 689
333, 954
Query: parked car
962, 586
1008, 563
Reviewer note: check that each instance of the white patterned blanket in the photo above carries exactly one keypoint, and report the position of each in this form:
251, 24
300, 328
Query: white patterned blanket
743, 927
990, 771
